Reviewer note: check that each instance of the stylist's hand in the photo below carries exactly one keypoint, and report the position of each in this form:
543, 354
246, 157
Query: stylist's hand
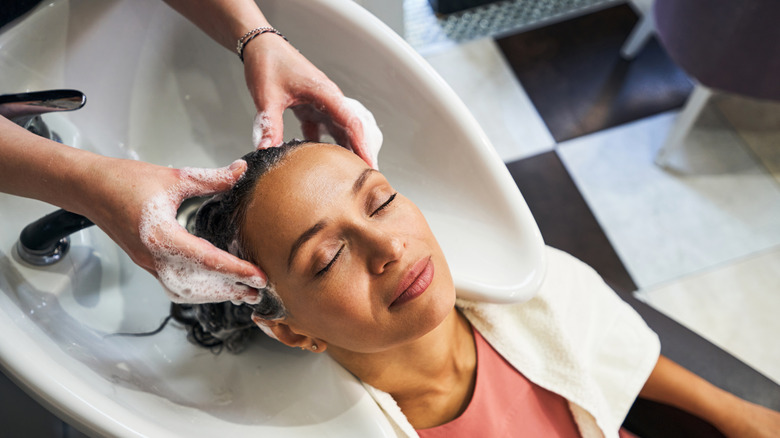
135, 203
279, 77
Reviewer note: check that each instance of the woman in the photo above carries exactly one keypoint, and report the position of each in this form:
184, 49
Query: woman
354, 270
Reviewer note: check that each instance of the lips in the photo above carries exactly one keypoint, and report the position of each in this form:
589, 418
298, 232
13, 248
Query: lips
414, 282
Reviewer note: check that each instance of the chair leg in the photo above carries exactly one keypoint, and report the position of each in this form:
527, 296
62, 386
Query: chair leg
685, 121
641, 32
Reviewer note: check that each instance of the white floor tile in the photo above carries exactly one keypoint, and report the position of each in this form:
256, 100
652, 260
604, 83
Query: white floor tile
667, 225
481, 77
735, 307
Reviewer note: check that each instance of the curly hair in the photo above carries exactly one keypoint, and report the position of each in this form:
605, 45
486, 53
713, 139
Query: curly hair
219, 220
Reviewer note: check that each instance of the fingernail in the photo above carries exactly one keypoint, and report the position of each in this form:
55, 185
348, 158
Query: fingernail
257, 282
236, 165
253, 299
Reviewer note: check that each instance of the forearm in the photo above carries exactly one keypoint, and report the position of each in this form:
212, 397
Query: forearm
223, 20
671, 384
37, 168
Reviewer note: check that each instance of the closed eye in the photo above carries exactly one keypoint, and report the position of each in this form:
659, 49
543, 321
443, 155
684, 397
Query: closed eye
383, 206
332, 261
338, 254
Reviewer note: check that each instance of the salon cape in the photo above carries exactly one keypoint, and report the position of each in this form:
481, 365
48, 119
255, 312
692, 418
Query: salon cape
576, 338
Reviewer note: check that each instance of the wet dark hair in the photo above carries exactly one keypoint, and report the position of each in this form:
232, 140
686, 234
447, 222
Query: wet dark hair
219, 220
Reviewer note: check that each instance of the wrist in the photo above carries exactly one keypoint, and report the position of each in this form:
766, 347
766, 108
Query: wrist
252, 34
84, 180
726, 412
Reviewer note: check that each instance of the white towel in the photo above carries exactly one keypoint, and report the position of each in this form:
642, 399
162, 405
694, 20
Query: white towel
576, 338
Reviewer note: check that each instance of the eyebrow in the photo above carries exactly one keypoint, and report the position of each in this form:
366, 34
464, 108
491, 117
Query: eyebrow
361, 180
316, 228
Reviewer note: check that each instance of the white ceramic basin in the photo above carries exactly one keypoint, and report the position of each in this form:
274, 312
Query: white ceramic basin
160, 90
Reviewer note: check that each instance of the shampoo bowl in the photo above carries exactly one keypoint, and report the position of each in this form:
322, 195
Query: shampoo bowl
161, 91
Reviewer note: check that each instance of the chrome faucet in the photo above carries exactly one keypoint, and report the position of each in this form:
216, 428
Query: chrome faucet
25, 109
46, 240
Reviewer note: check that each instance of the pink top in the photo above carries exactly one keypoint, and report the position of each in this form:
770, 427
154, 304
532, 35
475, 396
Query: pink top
506, 404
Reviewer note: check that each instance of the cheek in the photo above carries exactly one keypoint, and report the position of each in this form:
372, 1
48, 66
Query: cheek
335, 305
417, 227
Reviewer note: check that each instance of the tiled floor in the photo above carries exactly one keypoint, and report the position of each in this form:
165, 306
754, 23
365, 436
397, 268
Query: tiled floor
667, 225
577, 80
699, 242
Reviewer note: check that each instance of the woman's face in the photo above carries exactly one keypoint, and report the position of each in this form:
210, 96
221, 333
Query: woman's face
355, 263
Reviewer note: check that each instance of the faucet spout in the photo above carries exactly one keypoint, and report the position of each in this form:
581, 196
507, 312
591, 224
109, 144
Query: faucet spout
23, 105
46, 240
25, 109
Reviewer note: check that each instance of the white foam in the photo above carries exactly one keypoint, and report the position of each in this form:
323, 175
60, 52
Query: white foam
187, 280
371, 133
184, 276
262, 122
193, 179
265, 329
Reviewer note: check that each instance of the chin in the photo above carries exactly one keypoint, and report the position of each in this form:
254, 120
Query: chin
440, 302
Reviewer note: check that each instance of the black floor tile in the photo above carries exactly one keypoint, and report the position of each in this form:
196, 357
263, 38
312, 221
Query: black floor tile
573, 73
21, 416
564, 218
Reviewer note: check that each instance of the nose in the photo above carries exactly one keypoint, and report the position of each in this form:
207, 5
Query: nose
386, 248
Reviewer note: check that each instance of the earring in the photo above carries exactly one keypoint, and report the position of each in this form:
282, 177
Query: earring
313, 347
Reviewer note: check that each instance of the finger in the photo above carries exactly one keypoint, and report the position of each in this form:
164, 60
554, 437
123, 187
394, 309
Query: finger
339, 135
245, 272
310, 130
346, 127
268, 128
203, 182
235, 293
368, 138
352, 138
196, 271
217, 260
354, 133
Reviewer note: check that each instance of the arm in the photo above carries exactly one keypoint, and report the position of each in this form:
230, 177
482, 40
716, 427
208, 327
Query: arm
278, 77
673, 385
223, 20
116, 194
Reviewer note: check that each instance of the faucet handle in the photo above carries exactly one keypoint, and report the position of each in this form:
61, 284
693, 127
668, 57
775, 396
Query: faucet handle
21, 106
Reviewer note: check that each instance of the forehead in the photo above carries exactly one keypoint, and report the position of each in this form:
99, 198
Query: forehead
307, 177
308, 185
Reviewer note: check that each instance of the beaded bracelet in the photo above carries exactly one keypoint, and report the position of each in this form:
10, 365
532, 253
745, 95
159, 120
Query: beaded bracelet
252, 34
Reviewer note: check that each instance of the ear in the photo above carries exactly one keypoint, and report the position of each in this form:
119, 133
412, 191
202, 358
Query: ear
283, 333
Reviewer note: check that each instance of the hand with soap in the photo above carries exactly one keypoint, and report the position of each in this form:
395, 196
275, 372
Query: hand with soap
279, 77
135, 204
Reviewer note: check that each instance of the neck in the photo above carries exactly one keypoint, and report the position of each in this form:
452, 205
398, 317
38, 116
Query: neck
431, 378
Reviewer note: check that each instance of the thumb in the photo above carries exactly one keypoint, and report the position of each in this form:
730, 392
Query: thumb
203, 182
267, 129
